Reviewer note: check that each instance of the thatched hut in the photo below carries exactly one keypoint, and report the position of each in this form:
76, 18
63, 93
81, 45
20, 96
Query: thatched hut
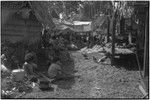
18, 22
19, 26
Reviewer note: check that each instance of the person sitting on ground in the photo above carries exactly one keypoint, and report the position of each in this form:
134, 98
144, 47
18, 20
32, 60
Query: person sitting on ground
55, 70
29, 66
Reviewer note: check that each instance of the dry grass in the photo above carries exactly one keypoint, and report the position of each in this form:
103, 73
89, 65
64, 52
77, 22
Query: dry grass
95, 81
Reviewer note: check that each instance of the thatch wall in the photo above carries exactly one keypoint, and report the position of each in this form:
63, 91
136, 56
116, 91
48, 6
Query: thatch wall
15, 28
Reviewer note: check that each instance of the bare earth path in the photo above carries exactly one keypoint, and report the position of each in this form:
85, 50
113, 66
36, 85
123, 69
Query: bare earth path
95, 81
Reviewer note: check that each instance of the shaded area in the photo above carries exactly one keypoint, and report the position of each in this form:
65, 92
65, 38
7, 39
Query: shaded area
67, 67
69, 80
94, 81
129, 62
65, 83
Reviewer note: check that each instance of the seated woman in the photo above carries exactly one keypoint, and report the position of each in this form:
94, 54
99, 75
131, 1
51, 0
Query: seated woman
54, 71
29, 66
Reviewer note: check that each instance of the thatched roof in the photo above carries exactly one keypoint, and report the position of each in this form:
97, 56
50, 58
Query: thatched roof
14, 4
141, 3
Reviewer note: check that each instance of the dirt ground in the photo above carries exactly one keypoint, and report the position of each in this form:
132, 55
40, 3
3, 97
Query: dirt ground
94, 80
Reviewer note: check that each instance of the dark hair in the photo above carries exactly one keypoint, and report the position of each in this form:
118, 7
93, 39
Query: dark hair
29, 57
55, 59
53, 37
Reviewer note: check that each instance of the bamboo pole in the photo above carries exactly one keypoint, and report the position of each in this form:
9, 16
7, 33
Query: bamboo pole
145, 81
146, 65
108, 29
113, 37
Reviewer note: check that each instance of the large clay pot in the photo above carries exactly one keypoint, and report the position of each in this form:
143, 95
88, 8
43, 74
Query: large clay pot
18, 74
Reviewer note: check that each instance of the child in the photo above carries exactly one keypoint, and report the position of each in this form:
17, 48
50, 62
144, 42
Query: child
54, 71
29, 66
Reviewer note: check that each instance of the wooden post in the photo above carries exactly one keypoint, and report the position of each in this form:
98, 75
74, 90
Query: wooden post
130, 38
113, 37
145, 80
108, 29
64, 7
122, 23
130, 34
90, 11
70, 38
146, 53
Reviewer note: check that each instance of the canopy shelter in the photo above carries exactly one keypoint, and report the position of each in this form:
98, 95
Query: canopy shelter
80, 26
76, 26
83, 26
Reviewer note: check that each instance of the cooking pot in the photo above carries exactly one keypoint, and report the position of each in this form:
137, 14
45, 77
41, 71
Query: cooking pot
18, 74
44, 84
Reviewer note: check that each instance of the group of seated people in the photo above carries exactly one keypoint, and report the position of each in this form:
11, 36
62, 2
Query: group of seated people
54, 71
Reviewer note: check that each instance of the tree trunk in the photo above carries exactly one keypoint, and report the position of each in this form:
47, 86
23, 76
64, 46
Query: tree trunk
108, 30
122, 23
146, 53
42, 14
64, 7
130, 38
113, 36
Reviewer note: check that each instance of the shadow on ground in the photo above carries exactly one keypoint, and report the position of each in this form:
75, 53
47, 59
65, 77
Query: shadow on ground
128, 62
66, 83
